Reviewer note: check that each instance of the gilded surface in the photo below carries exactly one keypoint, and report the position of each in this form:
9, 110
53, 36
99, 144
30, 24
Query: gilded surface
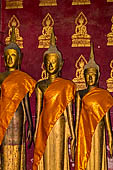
54, 117
48, 3
110, 80
12, 126
15, 81
110, 35
44, 74
14, 24
44, 39
109, 0
80, 38
98, 149
81, 2
96, 107
14, 159
79, 79
13, 4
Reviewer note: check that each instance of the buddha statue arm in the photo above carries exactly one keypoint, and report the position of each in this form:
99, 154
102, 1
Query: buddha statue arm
38, 108
109, 130
77, 112
27, 110
71, 126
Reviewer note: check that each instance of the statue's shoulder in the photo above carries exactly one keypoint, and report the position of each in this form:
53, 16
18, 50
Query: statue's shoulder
3, 75
82, 93
42, 85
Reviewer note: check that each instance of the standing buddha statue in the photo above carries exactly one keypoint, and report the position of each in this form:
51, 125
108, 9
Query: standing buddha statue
16, 87
92, 115
54, 118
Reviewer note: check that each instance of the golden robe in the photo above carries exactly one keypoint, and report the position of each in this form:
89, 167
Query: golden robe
91, 130
51, 145
12, 118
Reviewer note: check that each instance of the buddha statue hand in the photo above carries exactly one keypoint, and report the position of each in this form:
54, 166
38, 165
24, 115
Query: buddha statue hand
30, 136
73, 148
111, 145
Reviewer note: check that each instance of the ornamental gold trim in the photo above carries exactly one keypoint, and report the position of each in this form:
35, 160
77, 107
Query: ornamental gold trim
80, 38
81, 2
109, 0
13, 4
79, 79
109, 81
48, 3
44, 38
14, 24
12, 156
110, 35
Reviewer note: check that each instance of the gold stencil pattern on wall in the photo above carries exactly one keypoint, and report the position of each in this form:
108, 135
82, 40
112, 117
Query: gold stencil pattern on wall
44, 39
110, 80
81, 2
13, 4
79, 79
48, 3
80, 38
14, 24
110, 35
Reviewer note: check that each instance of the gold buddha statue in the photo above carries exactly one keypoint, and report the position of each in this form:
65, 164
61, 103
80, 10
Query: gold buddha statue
92, 115
44, 39
81, 30
47, 29
81, 38
14, 25
16, 87
54, 118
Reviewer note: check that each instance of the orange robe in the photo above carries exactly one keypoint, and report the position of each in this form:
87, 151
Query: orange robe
13, 90
95, 104
56, 98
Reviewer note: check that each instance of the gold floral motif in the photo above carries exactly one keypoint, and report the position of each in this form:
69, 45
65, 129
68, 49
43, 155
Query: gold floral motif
110, 80
14, 24
13, 4
80, 38
79, 80
110, 35
48, 3
81, 2
44, 39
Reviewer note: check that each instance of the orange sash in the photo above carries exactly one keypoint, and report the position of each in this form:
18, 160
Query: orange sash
13, 90
56, 98
95, 104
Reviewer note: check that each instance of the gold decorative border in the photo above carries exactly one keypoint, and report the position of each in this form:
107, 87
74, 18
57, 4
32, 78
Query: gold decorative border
14, 4
109, 0
48, 3
81, 2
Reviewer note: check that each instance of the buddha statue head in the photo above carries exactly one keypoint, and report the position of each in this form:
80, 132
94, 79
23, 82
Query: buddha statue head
91, 70
52, 58
12, 54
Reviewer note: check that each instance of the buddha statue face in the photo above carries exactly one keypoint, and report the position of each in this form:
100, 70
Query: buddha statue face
11, 59
91, 77
52, 63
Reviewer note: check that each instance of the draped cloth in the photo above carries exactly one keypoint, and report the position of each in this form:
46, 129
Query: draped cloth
95, 104
56, 98
13, 90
